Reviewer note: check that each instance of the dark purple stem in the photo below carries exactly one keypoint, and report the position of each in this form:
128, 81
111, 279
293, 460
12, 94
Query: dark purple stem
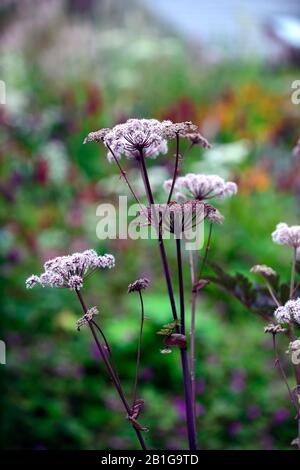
138, 358
184, 356
111, 371
183, 352
175, 170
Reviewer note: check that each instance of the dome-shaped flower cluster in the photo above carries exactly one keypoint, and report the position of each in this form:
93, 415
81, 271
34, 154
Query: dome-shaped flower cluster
147, 135
138, 285
287, 235
264, 270
131, 137
288, 312
69, 271
201, 187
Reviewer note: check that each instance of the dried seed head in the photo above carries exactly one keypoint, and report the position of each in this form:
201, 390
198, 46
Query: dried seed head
87, 317
97, 136
198, 139
138, 285
170, 129
214, 216
274, 329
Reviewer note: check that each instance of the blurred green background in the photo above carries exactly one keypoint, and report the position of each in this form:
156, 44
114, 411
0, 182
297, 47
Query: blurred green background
73, 67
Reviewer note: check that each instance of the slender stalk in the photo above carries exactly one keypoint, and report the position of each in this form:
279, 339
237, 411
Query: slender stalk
193, 316
192, 333
181, 286
292, 334
283, 374
123, 174
113, 364
191, 422
183, 352
187, 150
291, 394
175, 170
138, 358
292, 337
292, 286
298, 433
271, 292
207, 248
160, 239
111, 372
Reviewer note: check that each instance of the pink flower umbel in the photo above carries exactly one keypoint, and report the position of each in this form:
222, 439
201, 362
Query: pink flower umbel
201, 187
70, 271
131, 137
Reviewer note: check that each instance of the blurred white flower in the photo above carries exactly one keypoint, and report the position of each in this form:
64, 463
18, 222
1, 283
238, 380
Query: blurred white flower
221, 158
287, 235
55, 154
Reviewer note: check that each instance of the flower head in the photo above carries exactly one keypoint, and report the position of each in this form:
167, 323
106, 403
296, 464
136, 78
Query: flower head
290, 311
69, 271
294, 345
138, 285
274, 329
149, 136
287, 235
132, 137
264, 270
293, 307
171, 129
282, 315
201, 187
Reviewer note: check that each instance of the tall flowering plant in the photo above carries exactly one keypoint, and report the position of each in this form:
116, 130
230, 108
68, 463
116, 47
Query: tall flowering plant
72, 272
142, 139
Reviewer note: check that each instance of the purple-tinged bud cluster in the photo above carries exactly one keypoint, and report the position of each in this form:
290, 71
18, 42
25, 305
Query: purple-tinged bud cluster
138, 285
69, 271
201, 187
